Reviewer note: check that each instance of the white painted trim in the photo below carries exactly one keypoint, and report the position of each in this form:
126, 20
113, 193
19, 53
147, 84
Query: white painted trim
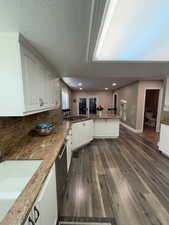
160, 102
90, 29
105, 137
159, 107
130, 128
103, 28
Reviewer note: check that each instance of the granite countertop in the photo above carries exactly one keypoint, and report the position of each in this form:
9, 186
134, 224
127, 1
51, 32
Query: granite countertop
44, 148
105, 116
166, 122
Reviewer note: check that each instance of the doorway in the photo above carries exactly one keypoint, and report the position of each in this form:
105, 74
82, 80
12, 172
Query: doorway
87, 105
115, 101
150, 114
82, 106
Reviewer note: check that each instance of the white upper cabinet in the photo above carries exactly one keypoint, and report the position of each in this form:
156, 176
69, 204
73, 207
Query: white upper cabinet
27, 84
166, 101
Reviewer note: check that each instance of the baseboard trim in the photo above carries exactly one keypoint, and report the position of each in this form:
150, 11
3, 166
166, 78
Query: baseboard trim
105, 137
81, 146
131, 128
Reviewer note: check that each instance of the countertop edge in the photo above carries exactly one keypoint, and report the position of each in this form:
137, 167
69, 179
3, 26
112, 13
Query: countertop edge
165, 122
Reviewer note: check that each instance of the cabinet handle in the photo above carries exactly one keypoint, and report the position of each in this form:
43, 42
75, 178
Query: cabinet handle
36, 213
31, 221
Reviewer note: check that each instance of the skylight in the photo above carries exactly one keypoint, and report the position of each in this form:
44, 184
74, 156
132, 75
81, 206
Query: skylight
134, 30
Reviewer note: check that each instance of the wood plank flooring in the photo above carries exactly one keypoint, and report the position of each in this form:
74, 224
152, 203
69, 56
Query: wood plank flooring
126, 179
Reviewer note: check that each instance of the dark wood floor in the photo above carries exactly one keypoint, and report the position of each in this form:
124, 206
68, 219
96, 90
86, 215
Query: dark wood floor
126, 179
150, 134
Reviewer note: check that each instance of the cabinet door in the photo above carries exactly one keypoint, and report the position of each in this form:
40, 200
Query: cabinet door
42, 77
30, 220
47, 200
69, 151
82, 133
57, 101
53, 90
30, 81
89, 125
77, 135
164, 139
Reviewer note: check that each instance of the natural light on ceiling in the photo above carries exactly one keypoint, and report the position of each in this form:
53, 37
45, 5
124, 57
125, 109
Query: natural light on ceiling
134, 30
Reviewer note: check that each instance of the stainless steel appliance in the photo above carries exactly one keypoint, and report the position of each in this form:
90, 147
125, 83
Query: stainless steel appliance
61, 175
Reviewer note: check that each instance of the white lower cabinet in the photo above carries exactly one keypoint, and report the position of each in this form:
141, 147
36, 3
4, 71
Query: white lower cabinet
82, 133
106, 128
45, 210
164, 139
69, 149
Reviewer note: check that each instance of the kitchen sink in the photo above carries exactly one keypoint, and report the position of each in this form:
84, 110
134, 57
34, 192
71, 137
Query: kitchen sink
14, 175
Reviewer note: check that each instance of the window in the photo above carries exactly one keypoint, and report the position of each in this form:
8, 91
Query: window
133, 31
65, 98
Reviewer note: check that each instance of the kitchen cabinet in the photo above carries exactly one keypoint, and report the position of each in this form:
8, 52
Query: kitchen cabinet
45, 210
28, 85
106, 128
164, 139
166, 99
82, 133
69, 149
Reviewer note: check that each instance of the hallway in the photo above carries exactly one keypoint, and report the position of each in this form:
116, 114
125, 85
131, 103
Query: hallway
125, 179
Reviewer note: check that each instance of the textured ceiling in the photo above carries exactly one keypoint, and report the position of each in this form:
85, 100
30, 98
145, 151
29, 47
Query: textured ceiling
59, 29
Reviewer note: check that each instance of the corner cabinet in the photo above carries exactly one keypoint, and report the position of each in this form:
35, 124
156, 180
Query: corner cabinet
28, 85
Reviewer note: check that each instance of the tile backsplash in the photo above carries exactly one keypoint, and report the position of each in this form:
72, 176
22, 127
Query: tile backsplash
12, 129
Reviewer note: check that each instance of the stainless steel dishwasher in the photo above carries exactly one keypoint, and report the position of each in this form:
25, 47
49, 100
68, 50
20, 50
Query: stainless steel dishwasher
61, 175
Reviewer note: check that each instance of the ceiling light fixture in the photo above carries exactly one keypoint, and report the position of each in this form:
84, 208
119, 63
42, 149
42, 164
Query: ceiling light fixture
79, 84
106, 89
114, 84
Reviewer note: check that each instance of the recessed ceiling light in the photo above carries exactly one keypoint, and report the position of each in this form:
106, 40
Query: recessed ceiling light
106, 89
81, 88
79, 84
114, 84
